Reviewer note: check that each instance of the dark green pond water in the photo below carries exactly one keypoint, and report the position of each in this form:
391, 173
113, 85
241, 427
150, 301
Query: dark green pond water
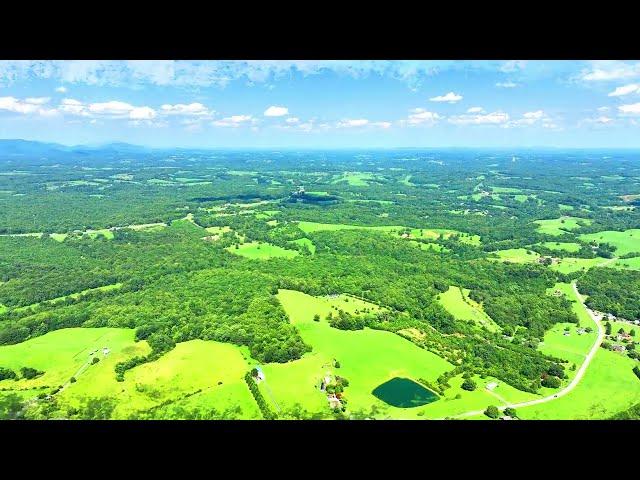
404, 393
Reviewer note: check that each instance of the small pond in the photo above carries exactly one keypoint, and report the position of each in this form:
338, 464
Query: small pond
404, 393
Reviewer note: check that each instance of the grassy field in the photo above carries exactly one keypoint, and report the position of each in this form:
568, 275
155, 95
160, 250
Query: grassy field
368, 358
570, 265
355, 179
517, 255
59, 237
195, 376
627, 263
189, 374
262, 251
61, 353
560, 226
310, 227
105, 232
608, 386
563, 246
218, 230
307, 242
428, 233
505, 190
457, 303
627, 241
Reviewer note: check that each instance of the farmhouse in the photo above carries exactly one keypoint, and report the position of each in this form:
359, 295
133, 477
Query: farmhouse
618, 348
334, 402
259, 375
624, 337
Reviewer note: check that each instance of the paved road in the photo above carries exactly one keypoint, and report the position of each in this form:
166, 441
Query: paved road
579, 374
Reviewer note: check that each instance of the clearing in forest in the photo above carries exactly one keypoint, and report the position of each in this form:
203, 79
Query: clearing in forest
516, 255
560, 226
570, 247
626, 242
262, 251
457, 302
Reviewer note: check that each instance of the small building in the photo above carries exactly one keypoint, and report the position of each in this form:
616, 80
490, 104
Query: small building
506, 417
334, 402
618, 348
581, 331
405, 235
566, 334
105, 351
624, 337
491, 386
259, 375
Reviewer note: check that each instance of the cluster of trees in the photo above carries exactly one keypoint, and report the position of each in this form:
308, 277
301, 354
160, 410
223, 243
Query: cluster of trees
612, 291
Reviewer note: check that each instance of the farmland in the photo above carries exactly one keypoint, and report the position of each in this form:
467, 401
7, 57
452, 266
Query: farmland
386, 284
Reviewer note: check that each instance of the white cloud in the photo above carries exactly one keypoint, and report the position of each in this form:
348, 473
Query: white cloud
507, 84
292, 120
61, 89
274, 111
608, 70
233, 121
195, 109
631, 109
37, 100
494, 118
475, 110
348, 123
420, 115
449, 97
73, 107
603, 119
142, 113
603, 109
113, 107
382, 124
513, 66
625, 90
26, 106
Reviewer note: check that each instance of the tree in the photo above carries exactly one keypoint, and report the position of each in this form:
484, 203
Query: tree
6, 373
511, 412
492, 412
469, 385
254, 372
556, 370
621, 331
73, 380
632, 333
316, 318
336, 364
551, 382
95, 360
607, 328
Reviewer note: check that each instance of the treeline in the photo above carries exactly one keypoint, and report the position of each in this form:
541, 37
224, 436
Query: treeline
267, 413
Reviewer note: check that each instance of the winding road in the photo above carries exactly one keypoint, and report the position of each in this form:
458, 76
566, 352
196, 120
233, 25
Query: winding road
576, 379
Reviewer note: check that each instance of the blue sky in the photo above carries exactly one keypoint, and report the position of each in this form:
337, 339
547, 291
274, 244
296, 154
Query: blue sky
325, 104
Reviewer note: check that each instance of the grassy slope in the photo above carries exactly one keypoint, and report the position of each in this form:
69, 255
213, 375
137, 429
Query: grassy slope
627, 241
368, 358
453, 300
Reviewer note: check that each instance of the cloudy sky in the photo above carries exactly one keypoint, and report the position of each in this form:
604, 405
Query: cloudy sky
328, 104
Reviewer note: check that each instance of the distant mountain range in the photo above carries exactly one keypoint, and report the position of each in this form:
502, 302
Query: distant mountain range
32, 148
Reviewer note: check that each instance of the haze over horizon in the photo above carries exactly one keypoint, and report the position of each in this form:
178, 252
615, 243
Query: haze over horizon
323, 104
